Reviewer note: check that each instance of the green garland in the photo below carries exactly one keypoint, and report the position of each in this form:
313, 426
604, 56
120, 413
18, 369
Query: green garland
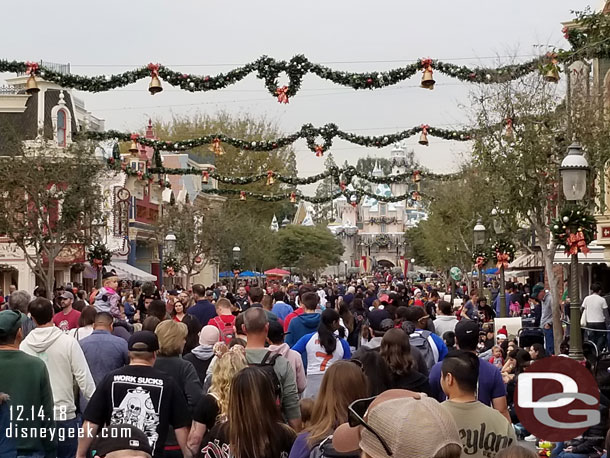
269, 70
574, 229
327, 133
352, 196
382, 240
98, 255
588, 35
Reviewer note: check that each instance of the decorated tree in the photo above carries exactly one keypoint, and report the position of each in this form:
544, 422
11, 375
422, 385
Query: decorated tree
308, 248
198, 230
48, 202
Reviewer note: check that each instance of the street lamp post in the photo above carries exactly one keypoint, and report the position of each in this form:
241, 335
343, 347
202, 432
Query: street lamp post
98, 225
236, 259
498, 229
345, 264
479, 241
170, 249
574, 169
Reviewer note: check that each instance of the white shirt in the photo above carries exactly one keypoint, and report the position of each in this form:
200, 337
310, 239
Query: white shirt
594, 306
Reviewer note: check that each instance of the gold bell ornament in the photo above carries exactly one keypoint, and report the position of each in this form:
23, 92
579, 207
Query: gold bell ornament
155, 83
552, 74
133, 149
31, 87
205, 177
423, 137
270, 179
416, 176
242, 196
216, 147
293, 198
427, 80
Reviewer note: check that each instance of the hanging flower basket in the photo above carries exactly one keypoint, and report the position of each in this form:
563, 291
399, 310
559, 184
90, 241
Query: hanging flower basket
574, 229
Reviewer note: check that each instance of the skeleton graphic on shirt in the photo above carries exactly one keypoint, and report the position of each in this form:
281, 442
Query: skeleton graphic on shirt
137, 409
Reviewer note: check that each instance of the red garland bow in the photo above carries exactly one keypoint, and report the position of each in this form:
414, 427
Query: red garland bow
502, 260
135, 137
98, 263
480, 262
354, 204
32, 68
552, 57
424, 128
426, 64
154, 69
416, 176
206, 176
566, 33
319, 151
282, 95
416, 196
242, 195
342, 185
170, 272
270, 177
140, 174
575, 243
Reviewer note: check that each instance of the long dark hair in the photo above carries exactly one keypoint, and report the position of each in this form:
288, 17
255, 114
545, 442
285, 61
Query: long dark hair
192, 338
326, 333
251, 435
346, 316
396, 351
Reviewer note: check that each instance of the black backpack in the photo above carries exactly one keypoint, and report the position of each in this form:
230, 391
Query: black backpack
267, 365
325, 450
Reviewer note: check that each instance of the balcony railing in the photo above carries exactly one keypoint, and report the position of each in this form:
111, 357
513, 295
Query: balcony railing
8, 90
59, 68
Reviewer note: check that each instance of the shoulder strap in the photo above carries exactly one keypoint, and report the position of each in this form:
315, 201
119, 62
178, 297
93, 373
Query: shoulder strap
266, 357
216, 318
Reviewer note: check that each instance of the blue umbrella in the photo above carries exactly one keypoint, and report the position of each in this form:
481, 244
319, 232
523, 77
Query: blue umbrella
249, 273
225, 274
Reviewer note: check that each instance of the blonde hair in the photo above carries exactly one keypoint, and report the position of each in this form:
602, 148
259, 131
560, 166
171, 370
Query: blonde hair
228, 364
109, 279
172, 337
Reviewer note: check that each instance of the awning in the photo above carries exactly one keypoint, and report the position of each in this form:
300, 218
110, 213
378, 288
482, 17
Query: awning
128, 272
529, 262
595, 256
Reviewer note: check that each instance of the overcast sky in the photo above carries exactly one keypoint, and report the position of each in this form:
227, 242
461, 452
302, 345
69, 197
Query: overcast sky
206, 37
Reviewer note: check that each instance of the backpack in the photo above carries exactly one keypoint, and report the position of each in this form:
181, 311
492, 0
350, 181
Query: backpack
227, 330
325, 450
425, 344
267, 365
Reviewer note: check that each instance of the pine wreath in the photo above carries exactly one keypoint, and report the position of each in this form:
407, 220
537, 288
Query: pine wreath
99, 255
574, 229
170, 265
382, 240
480, 257
502, 253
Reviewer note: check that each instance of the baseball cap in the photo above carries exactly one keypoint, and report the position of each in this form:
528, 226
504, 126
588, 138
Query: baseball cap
536, 289
113, 440
467, 334
10, 320
405, 421
67, 295
143, 341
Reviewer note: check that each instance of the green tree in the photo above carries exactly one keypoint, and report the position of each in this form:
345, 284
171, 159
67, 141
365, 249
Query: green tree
308, 248
48, 203
237, 162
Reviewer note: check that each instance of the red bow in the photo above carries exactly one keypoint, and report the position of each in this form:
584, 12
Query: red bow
426, 64
503, 260
206, 176
140, 174
282, 95
575, 243
552, 57
416, 196
480, 262
135, 137
32, 68
242, 195
319, 151
566, 33
170, 272
424, 128
98, 263
154, 69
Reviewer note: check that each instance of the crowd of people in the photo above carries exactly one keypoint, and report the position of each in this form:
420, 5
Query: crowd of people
281, 370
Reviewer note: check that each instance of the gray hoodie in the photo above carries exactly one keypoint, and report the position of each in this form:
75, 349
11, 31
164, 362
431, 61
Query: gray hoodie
444, 323
65, 362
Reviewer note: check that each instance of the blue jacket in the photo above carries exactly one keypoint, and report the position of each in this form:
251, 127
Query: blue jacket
301, 325
204, 310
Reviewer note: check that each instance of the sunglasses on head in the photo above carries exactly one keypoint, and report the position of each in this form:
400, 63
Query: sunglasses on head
355, 417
